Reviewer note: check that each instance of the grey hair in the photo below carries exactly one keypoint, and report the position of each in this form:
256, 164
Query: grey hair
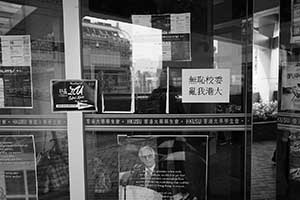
146, 147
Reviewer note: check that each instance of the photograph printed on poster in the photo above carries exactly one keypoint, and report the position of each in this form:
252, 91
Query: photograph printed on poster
294, 156
290, 94
162, 167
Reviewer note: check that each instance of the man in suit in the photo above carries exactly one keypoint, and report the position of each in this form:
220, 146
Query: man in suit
145, 174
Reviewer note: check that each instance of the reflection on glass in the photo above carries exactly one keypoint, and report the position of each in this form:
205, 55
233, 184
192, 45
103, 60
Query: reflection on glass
127, 59
31, 54
40, 167
108, 48
115, 161
228, 55
162, 167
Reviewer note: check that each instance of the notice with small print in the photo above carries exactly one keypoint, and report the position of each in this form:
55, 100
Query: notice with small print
74, 95
205, 85
15, 50
295, 21
18, 174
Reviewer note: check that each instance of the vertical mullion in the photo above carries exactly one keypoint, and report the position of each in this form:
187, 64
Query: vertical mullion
75, 119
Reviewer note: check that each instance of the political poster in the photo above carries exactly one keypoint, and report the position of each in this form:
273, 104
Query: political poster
205, 85
163, 167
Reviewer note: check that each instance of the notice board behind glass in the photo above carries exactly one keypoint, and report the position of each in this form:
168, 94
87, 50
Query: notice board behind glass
31, 54
288, 105
180, 68
138, 51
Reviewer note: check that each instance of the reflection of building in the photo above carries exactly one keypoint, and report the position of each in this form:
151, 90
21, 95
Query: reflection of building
145, 82
107, 52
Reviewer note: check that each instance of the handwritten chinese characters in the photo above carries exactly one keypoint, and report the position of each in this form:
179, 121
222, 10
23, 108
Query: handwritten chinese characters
205, 85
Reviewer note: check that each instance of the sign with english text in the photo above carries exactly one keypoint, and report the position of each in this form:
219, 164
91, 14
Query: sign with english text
205, 85
74, 95
18, 163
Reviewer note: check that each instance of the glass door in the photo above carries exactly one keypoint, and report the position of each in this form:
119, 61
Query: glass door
174, 98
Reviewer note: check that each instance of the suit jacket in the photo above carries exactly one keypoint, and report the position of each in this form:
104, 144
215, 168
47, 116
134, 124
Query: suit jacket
137, 178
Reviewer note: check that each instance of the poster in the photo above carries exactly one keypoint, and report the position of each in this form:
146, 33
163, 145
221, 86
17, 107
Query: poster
163, 167
74, 95
290, 95
15, 72
15, 87
205, 85
15, 50
295, 21
18, 167
294, 157
176, 33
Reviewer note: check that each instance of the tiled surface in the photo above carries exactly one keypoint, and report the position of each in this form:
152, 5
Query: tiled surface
263, 171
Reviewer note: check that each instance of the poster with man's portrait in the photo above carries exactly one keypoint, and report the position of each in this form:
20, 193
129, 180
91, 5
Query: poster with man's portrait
163, 167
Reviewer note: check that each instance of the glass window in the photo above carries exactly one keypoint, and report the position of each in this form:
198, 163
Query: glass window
172, 96
287, 159
32, 53
197, 164
140, 68
33, 140
34, 164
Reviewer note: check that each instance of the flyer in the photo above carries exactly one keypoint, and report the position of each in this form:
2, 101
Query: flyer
176, 33
15, 72
73, 95
15, 50
295, 21
290, 88
162, 167
15, 87
294, 155
18, 167
205, 85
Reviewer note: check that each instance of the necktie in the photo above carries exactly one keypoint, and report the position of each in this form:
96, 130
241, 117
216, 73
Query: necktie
147, 177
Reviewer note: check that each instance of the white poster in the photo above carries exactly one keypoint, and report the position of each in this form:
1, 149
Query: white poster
295, 21
290, 96
205, 85
15, 50
176, 33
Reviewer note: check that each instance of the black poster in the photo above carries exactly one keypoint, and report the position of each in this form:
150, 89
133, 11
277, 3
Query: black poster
18, 167
74, 95
163, 167
15, 87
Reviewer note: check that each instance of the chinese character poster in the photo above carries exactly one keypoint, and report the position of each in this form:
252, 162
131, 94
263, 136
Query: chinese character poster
205, 85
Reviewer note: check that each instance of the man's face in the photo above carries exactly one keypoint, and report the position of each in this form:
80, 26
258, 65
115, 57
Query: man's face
147, 157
